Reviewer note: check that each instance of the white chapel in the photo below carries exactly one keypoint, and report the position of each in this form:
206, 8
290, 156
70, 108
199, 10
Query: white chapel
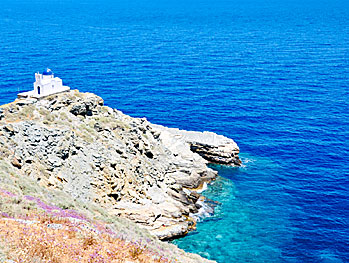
45, 84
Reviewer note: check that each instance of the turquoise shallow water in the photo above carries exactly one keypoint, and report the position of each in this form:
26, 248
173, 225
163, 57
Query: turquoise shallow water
251, 219
271, 74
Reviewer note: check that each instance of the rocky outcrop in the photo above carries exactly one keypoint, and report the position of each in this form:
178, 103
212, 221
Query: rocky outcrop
211, 146
126, 165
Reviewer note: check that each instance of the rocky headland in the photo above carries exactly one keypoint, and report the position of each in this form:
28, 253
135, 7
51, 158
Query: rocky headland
129, 167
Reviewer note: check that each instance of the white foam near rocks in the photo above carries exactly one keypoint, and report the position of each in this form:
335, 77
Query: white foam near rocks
204, 188
204, 211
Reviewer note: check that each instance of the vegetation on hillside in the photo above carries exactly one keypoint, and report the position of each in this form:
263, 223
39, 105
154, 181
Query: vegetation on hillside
41, 225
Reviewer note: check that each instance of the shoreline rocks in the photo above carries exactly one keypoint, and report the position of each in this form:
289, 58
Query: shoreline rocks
131, 168
212, 147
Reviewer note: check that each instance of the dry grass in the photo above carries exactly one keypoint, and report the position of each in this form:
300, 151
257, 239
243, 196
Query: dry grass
26, 112
46, 233
34, 239
22, 197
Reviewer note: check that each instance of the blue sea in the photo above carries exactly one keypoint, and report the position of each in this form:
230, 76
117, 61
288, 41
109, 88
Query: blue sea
271, 74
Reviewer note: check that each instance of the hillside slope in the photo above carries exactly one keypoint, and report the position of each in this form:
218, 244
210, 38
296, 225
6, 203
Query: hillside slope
127, 167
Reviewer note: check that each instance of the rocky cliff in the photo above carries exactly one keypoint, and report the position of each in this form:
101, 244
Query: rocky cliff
128, 166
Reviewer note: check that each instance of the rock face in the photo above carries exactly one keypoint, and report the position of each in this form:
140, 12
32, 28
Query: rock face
132, 168
212, 147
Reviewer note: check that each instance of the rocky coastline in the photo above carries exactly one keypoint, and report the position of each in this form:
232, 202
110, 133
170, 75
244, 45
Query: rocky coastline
128, 166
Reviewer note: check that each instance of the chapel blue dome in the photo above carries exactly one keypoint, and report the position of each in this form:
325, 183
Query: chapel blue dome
47, 72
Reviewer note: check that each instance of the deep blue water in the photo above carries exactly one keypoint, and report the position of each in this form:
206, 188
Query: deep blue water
271, 74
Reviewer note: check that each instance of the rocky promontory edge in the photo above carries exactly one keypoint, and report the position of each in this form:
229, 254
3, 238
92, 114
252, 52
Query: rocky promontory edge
212, 147
132, 168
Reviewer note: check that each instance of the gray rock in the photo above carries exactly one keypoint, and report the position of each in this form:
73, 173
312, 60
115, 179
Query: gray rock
128, 166
2, 115
212, 147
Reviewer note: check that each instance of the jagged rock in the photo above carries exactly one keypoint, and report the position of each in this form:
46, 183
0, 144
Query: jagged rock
16, 163
132, 168
190, 181
172, 231
9, 129
212, 147
86, 107
179, 196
